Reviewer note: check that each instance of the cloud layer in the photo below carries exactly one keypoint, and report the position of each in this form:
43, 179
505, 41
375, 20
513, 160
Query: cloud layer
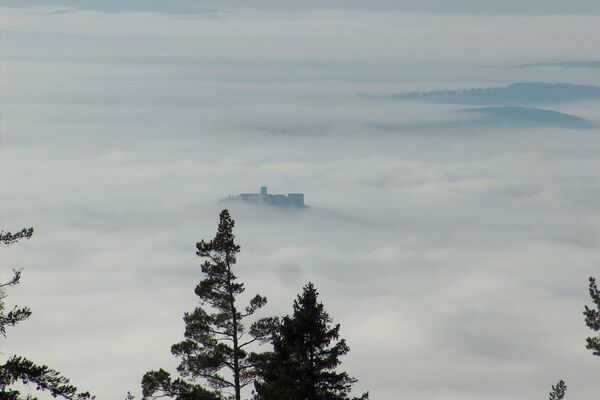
455, 260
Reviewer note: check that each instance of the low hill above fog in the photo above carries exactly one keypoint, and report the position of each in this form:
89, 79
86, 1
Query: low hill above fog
495, 117
530, 116
514, 94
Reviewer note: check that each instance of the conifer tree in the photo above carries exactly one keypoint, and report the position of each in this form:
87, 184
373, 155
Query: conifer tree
592, 318
306, 352
18, 369
558, 391
215, 349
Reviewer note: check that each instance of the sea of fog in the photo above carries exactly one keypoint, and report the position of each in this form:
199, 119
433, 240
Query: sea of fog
452, 247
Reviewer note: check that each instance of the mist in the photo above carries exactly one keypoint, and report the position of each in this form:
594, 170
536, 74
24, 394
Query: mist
452, 246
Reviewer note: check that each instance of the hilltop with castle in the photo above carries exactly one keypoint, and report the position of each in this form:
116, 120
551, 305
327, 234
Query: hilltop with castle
295, 200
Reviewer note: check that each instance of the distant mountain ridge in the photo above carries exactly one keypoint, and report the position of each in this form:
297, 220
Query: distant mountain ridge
566, 64
531, 116
495, 117
525, 93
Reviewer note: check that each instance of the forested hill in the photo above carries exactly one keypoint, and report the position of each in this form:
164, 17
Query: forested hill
513, 94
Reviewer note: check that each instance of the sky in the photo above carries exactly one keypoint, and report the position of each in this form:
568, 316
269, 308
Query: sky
453, 248
439, 6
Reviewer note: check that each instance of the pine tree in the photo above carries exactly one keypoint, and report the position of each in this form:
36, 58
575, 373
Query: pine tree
158, 384
306, 352
592, 318
216, 340
18, 369
558, 391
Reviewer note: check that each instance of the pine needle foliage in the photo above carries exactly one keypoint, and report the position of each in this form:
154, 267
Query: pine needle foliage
21, 370
216, 345
306, 353
558, 391
592, 318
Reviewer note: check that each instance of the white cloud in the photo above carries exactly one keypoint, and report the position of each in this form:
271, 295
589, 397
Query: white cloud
450, 258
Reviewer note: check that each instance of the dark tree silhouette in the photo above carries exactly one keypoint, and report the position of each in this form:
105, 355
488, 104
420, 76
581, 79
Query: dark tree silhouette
216, 340
306, 352
7, 238
592, 318
158, 384
558, 391
18, 369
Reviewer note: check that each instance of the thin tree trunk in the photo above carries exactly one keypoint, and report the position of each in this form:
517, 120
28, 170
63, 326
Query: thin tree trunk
236, 361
